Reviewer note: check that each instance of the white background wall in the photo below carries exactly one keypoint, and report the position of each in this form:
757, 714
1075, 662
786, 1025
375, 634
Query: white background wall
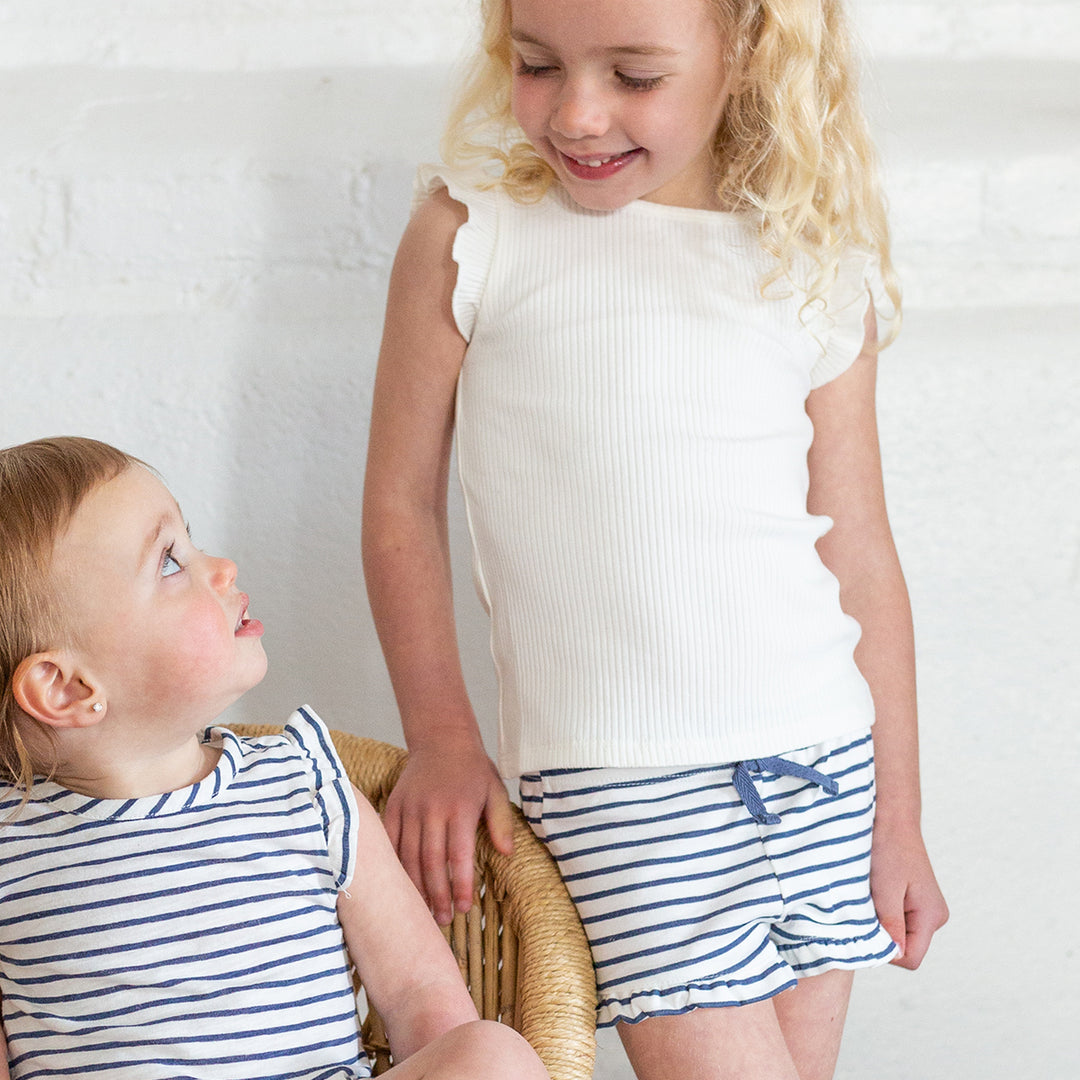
199, 201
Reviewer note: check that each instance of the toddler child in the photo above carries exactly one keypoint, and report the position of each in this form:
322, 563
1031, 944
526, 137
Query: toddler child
176, 901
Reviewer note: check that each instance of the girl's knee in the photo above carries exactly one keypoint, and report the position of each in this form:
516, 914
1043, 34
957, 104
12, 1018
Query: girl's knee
482, 1050
504, 1051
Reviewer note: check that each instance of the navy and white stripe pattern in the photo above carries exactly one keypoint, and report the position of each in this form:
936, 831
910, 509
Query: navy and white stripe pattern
691, 897
188, 935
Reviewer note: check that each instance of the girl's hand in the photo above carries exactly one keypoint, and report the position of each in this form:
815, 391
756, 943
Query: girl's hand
906, 895
432, 816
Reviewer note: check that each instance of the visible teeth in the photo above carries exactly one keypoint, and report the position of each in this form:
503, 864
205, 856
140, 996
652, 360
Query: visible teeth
595, 163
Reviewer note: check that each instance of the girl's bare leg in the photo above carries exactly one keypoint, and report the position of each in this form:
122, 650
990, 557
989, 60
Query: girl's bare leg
729, 1043
812, 1019
794, 1036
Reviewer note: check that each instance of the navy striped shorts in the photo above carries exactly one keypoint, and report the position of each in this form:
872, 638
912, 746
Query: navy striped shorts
716, 885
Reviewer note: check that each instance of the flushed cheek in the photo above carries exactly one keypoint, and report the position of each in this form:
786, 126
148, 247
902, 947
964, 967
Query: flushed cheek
209, 639
198, 649
529, 111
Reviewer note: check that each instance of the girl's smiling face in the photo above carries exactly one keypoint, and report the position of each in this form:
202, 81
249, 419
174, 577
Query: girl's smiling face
621, 97
160, 625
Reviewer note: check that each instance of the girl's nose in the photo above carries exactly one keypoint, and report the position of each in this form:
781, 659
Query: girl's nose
222, 572
579, 113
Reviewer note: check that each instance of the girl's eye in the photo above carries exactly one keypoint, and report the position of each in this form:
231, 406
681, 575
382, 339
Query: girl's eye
534, 69
170, 566
632, 82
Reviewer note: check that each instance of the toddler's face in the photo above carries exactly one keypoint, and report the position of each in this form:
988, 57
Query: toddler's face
621, 97
160, 625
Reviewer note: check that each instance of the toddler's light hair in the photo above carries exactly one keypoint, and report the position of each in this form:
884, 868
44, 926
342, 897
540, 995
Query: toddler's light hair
793, 143
42, 484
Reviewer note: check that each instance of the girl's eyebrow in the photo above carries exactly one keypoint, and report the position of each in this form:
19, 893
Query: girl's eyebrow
621, 50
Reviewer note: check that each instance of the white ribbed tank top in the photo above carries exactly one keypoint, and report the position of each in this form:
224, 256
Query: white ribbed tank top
632, 440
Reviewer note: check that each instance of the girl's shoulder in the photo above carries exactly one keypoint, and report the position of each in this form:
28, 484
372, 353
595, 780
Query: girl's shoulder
452, 196
449, 243
428, 240
838, 320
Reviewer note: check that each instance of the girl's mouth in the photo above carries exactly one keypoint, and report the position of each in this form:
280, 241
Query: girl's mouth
247, 627
598, 168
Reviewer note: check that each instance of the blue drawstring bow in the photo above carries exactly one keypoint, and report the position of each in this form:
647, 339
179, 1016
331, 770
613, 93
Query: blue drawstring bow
744, 783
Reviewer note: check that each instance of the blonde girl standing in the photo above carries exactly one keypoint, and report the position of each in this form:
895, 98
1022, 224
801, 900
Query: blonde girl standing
644, 296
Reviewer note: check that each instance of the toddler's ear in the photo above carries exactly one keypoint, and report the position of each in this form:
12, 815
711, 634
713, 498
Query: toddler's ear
48, 687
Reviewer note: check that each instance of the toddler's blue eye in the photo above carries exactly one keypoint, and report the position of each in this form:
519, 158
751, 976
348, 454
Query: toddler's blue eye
170, 566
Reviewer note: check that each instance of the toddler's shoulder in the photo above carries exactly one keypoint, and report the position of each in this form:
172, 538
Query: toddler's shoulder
304, 737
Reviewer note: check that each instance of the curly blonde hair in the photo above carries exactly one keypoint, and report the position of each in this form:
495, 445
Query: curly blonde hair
42, 484
793, 144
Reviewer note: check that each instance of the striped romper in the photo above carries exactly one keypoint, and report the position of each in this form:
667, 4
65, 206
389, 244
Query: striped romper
186, 935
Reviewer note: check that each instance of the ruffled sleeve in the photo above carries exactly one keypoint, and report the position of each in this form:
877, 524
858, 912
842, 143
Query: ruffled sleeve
474, 244
840, 326
331, 790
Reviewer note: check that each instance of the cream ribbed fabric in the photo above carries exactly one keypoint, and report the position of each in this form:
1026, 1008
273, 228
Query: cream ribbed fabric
632, 441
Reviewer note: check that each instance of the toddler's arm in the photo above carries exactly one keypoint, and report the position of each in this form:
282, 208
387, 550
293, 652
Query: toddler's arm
449, 783
407, 969
4, 1074
846, 484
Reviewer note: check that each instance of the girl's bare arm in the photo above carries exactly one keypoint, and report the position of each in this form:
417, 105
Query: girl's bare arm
449, 783
846, 484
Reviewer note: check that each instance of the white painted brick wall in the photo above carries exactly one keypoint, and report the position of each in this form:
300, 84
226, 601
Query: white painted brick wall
165, 191
965, 29
982, 163
275, 34
232, 34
